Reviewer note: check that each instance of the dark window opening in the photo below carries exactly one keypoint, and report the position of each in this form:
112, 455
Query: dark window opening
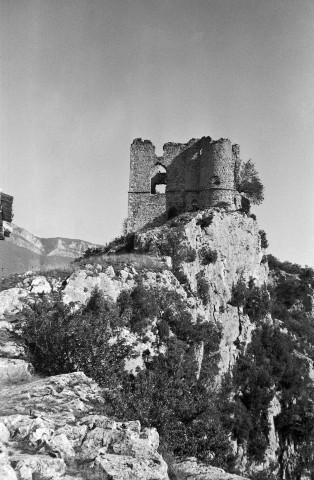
159, 182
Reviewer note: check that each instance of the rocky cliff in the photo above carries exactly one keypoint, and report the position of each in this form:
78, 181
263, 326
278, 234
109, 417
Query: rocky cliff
199, 259
211, 252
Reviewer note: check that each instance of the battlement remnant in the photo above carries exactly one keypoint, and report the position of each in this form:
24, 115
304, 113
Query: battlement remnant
199, 174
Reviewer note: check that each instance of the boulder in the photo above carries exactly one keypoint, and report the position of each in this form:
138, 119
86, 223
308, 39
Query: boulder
11, 301
40, 285
45, 416
29, 466
190, 469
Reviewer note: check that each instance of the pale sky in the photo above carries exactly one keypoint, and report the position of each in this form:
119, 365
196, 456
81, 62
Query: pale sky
80, 79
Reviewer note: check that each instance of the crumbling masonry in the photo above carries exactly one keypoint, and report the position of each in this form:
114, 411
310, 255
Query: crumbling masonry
188, 176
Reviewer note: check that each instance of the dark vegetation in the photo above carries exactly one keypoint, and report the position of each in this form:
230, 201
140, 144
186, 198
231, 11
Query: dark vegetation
203, 289
166, 394
264, 242
275, 363
250, 184
122, 244
207, 256
276, 265
205, 221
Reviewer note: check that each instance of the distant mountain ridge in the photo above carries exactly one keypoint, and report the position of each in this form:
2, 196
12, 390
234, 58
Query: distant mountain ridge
64, 247
24, 251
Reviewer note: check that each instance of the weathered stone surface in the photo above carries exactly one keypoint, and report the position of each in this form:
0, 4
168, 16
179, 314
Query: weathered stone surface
200, 174
190, 469
125, 467
46, 416
11, 300
80, 285
27, 466
60, 446
235, 239
4, 433
57, 396
40, 285
7, 472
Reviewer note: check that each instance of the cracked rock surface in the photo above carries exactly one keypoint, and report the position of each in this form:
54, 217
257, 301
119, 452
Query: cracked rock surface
48, 430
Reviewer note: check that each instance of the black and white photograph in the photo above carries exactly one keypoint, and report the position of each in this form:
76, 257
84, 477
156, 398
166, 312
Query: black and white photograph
156, 240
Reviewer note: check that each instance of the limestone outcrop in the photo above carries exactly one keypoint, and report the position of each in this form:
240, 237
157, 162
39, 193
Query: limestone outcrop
205, 255
212, 251
48, 430
190, 469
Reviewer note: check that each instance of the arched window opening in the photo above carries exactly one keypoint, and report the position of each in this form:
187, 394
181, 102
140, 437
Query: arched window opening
159, 180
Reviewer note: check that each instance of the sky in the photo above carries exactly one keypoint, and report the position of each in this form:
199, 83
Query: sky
80, 79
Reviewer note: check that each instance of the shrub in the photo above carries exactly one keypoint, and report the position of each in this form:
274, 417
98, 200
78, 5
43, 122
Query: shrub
122, 244
62, 341
245, 205
168, 396
190, 255
250, 183
180, 276
203, 289
207, 256
253, 216
264, 242
205, 221
254, 300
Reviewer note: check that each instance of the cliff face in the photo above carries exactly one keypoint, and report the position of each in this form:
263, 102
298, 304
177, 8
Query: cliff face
200, 256
211, 252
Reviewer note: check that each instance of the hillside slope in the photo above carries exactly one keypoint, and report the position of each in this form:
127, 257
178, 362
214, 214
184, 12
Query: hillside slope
16, 259
64, 247
23, 251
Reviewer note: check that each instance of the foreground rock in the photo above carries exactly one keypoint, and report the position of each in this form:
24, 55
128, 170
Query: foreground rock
48, 430
189, 469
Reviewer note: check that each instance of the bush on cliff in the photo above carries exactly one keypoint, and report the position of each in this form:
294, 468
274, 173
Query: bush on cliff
253, 300
167, 394
62, 341
250, 184
275, 363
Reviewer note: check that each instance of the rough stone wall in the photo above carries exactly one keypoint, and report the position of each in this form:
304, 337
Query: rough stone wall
199, 174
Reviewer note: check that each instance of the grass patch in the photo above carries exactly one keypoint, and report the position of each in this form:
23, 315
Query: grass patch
119, 261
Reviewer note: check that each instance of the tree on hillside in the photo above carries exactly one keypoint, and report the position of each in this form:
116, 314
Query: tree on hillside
249, 183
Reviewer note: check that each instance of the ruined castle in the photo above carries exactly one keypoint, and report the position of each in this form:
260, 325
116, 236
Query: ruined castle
200, 174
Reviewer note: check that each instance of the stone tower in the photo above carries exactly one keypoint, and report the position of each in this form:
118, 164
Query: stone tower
199, 174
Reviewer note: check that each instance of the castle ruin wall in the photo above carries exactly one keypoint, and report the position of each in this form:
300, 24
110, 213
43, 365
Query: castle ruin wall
201, 173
